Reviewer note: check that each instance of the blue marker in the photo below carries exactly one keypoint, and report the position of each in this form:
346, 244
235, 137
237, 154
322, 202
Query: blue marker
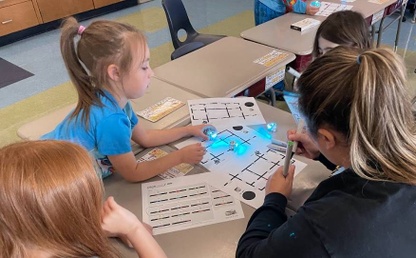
279, 143
276, 147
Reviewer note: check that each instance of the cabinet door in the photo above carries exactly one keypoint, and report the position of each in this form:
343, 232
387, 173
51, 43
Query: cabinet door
101, 3
4, 3
55, 9
17, 17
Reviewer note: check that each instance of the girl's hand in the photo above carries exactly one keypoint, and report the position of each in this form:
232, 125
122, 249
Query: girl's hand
311, 10
192, 154
277, 183
116, 220
306, 146
198, 131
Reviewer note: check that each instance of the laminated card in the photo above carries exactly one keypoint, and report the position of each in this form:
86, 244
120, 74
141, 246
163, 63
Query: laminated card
161, 109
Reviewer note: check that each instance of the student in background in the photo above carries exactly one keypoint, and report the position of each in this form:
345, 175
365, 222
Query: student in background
52, 206
266, 10
344, 28
109, 65
358, 111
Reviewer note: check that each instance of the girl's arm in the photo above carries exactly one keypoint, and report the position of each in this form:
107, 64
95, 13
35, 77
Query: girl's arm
120, 222
133, 171
152, 138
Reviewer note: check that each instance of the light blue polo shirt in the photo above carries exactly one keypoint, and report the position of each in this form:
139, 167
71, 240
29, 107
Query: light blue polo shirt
109, 131
280, 5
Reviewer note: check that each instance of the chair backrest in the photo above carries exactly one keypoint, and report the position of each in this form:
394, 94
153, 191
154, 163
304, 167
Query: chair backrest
177, 19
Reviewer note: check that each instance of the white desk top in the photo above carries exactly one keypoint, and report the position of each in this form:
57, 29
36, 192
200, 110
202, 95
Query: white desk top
158, 90
218, 240
278, 34
221, 69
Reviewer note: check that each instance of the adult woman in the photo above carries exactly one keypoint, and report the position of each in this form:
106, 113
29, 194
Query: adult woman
358, 111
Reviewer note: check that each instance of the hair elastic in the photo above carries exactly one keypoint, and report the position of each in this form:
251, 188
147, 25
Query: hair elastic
81, 30
359, 59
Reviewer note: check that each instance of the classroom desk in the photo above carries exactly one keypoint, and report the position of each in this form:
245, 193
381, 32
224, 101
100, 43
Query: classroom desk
224, 68
157, 91
277, 33
217, 240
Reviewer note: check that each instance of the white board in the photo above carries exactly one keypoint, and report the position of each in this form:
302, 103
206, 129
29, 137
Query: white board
225, 111
243, 171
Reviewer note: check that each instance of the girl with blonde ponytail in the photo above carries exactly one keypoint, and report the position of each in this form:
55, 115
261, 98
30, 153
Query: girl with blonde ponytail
108, 63
359, 113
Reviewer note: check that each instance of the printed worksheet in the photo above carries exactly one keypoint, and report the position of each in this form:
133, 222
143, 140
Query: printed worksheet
225, 111
328, 8
187, 202
177, 171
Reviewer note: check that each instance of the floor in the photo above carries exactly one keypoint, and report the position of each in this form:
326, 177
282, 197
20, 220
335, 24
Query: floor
49, 88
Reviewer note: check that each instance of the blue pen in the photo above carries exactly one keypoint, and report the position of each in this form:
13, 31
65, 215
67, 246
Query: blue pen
279, 143
276, 147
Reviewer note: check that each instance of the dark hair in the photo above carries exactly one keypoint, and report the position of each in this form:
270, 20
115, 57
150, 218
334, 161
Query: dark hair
345, 28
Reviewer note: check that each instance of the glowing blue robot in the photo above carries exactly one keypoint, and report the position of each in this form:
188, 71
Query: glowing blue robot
316, 3
211, 132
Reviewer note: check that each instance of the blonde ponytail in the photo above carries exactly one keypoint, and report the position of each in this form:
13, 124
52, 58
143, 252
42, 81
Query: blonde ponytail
383, 141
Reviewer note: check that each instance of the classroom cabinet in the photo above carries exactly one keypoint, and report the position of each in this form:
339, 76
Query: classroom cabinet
51, 10
101, 3
17, 15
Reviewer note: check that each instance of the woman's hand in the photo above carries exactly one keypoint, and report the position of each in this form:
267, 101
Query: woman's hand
277, 183
306, 146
